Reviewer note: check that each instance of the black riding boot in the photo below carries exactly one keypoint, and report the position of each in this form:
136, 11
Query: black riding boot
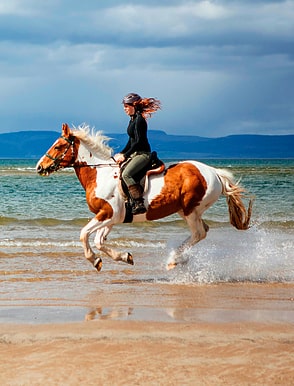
138, 201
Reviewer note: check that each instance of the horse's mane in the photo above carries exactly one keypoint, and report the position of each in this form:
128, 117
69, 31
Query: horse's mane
96, 142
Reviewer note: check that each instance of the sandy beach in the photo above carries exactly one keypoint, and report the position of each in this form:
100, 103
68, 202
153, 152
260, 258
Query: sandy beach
154, 353
114, 350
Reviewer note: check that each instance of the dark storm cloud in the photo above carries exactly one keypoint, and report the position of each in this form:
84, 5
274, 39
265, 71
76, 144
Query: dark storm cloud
219, 67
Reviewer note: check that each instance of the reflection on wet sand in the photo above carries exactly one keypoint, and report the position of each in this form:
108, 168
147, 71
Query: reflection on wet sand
183, 315
221, 303
108, 313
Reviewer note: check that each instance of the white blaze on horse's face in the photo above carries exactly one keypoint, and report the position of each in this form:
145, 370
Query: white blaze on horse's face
43, 163
187, 188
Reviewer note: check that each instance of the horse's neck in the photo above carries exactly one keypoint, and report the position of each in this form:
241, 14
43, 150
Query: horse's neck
85, 174
86, 157
85, 167
102, 179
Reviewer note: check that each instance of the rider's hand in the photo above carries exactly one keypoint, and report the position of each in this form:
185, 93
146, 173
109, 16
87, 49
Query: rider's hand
119, 158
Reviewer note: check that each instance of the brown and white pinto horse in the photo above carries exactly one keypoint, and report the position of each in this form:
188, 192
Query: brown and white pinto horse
187, 188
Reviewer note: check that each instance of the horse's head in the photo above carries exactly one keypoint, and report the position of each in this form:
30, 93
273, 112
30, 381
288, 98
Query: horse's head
61, 154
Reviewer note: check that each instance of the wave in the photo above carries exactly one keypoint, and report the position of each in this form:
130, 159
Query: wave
39, 243
166, 222
43, 221
59, 244
17, 169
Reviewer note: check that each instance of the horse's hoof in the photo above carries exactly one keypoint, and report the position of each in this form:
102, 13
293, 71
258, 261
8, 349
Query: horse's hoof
98, 264
171, 266
130, 259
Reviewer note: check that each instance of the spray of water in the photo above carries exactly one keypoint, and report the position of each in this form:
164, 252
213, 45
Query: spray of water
258, 255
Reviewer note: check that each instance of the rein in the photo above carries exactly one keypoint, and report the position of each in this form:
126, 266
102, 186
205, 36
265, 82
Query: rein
94, 165
100, 165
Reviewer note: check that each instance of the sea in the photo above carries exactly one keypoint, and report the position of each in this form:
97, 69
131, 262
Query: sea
44, 276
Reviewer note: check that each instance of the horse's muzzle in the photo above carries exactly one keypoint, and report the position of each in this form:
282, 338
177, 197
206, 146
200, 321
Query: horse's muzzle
40, 170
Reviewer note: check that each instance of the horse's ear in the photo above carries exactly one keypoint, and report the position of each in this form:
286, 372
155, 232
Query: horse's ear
65, 130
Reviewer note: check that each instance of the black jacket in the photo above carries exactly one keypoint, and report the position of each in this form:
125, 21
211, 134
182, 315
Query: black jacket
137, 131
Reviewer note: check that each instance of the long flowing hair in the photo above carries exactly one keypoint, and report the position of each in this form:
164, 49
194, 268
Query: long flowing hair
147, 106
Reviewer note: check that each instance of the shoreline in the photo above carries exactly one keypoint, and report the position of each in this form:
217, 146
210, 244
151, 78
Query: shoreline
154, 302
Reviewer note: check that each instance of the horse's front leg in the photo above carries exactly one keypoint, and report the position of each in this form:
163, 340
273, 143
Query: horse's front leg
103, 229
91, 227
115, 255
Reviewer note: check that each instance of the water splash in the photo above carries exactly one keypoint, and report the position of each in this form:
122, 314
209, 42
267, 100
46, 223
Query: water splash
258, 255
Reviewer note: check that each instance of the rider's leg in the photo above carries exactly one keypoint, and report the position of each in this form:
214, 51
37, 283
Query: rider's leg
137, 163
136, 192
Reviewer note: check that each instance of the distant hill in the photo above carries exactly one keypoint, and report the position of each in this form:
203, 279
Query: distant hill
26, 144
33, 144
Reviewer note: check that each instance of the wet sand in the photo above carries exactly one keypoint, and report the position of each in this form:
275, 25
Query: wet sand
248, 340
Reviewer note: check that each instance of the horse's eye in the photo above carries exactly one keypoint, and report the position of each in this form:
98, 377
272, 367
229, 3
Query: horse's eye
57, 147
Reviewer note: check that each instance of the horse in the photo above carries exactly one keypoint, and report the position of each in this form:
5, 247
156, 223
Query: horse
187, 188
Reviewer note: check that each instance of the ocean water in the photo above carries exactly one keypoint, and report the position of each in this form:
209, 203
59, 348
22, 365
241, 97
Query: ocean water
42, 265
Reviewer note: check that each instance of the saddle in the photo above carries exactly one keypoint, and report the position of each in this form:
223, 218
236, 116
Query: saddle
155, 166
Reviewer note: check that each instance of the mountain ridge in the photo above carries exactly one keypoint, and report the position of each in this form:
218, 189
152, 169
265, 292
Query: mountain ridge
33, 144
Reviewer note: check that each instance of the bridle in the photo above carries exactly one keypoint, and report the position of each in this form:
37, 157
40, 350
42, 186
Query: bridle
57, 160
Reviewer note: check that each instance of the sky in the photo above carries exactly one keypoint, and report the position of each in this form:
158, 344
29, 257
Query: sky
219, 67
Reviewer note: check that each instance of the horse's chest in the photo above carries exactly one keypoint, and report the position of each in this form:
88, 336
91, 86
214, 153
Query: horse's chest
104, 184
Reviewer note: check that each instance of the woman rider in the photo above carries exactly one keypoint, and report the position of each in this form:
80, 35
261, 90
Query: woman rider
137, 150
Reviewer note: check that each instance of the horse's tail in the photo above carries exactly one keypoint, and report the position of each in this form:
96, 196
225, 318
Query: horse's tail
239, 215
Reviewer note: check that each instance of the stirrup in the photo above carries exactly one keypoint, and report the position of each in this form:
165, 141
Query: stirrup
138, 208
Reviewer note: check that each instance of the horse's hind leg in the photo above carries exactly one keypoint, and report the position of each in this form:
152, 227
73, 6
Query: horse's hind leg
198, 229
